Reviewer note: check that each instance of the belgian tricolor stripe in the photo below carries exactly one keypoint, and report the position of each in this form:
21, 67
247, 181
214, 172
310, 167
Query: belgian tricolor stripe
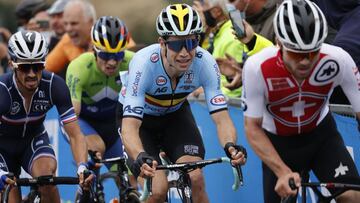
166, 100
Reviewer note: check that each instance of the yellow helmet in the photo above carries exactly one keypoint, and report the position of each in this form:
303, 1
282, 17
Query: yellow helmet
178, 20
109, 34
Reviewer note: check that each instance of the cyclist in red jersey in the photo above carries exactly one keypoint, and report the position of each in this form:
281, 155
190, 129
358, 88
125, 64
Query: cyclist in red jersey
286, 93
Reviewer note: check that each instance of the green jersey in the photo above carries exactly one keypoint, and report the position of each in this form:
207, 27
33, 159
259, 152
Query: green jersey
97, 92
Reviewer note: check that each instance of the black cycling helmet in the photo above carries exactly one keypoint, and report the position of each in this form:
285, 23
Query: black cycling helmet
300, 25
109, 34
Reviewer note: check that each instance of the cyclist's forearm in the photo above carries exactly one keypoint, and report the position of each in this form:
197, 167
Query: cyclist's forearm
225, 128
77, 142
130, 137
262, 146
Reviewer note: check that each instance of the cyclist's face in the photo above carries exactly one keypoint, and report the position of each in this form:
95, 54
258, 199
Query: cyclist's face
28, 76
300, 65
179, 51
108, 64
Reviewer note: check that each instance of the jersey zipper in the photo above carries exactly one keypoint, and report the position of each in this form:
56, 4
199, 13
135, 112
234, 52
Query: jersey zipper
27, 112
172, 93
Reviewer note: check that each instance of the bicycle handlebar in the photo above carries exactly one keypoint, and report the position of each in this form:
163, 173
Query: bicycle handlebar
47, 180
190, 166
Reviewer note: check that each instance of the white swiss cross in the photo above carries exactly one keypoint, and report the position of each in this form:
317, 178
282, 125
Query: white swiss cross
341, 170
298, 108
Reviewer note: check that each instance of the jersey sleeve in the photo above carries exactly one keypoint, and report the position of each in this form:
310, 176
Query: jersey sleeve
61, 99
75, 79
210, 81
253, 96
351, 80
5, 103
135, 89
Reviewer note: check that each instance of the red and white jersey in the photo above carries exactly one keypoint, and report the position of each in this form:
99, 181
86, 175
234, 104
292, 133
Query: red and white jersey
288, 108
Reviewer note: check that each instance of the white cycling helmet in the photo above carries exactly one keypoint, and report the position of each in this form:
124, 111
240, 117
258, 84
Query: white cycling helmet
27, 46
178, 20
300, 25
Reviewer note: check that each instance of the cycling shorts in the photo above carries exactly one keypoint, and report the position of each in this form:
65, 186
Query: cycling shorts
323, 151
107, 130
21, 152
175, 133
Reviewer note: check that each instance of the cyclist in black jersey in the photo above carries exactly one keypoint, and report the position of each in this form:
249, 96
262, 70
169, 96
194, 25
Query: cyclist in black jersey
26, 95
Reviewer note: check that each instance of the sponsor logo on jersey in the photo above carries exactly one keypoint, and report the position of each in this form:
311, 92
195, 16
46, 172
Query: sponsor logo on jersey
154, 57
217, 71
92, 109
289, 109
135, 84
161, 90
41, 94
189, 76
15, 108
218, 100
199, 54
325, 72
161, 80
40, 105
187, 87
276, 84
134, 110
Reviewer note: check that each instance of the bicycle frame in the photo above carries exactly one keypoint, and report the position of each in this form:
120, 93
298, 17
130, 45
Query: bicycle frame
185, 183
120, 177
37, 182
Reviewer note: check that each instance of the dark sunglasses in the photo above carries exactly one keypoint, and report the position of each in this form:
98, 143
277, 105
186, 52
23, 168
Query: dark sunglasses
26, 67
108, 56
177, 45
300, 56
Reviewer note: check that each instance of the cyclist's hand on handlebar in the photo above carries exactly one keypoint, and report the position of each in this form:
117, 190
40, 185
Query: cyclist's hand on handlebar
236, 153
4, 179
145, 165
84, 182
282, 186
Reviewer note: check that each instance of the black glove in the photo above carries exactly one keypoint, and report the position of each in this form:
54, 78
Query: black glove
237, 147
142, 158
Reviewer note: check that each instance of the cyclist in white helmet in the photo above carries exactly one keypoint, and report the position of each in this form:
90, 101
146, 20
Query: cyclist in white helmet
286, 91
156, 114
26, 95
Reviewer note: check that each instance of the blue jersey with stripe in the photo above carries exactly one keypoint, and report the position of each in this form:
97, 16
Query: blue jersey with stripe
15, 121
148, 87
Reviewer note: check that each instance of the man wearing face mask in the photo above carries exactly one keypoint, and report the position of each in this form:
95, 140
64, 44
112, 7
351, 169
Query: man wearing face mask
223, 43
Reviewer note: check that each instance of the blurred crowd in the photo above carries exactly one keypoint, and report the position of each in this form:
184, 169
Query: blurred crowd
66, 25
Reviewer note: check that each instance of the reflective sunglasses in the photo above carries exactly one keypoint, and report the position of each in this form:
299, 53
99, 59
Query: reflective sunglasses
108, 56
177, 45
300, 56
26, 67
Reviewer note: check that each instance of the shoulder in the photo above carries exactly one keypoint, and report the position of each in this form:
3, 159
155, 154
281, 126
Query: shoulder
263, 55
6, 80
82, 62
148, 55
334, 51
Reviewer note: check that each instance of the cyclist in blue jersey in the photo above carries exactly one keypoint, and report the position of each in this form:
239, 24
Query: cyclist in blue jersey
26, 95
156, 115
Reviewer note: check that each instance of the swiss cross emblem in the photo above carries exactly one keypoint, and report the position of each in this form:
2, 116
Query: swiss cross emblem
297, 108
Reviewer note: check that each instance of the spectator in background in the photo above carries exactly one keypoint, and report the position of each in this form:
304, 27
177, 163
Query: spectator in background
4, 38
26, 9
78, 17
344, 16
259, 14
40, 23
56, 22
223, 43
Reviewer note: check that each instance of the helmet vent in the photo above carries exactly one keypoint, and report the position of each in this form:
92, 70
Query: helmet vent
19, 46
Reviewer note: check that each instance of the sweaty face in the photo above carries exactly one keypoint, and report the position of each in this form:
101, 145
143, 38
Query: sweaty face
77, 25
300, 65
179, 52
28, 76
